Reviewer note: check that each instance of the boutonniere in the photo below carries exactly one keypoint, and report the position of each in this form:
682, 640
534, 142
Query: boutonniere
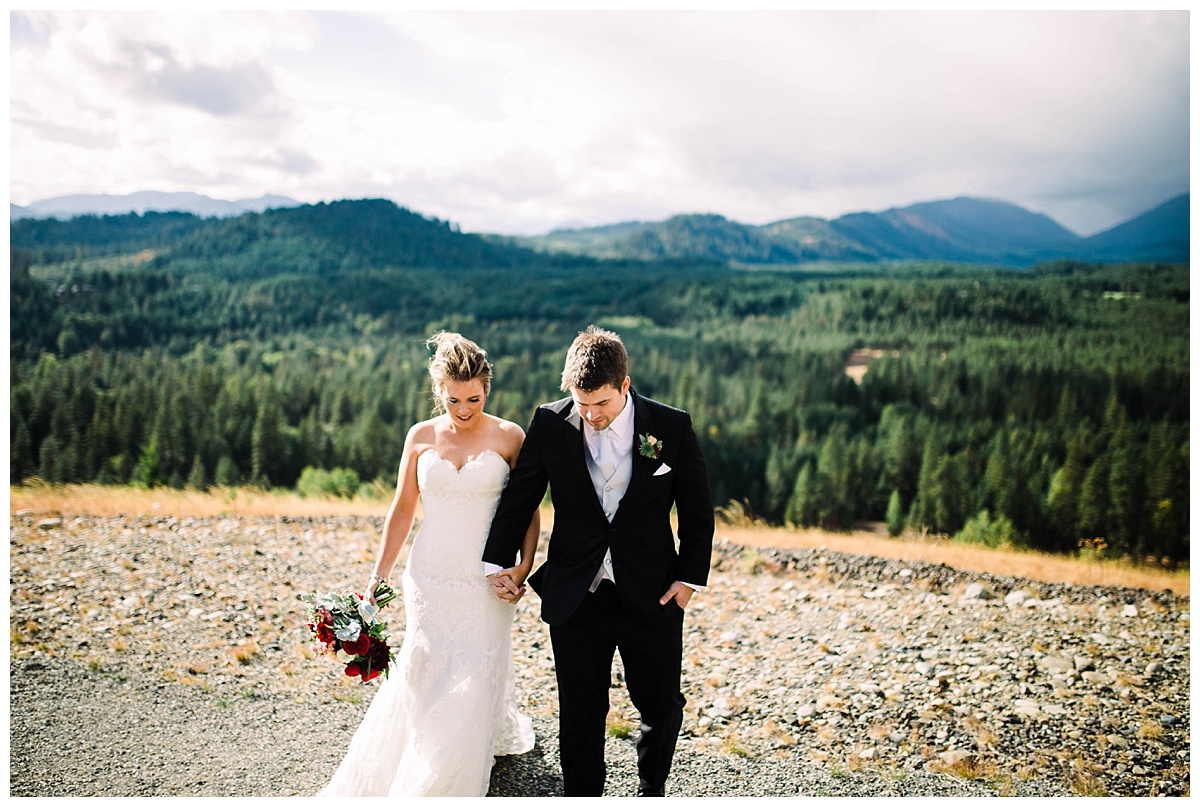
649, 446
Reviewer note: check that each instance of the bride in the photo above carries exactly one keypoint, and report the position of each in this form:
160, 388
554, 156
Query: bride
448, 705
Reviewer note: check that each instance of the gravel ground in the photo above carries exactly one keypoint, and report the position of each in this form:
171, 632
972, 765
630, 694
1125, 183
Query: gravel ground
164, 656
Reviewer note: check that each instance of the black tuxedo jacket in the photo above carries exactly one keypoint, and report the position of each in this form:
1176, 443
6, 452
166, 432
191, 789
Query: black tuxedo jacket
645, 559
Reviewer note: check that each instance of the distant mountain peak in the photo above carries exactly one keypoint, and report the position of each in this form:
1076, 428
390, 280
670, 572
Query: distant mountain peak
966, 229
104, 204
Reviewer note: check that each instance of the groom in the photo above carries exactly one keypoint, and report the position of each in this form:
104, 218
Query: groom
616, 463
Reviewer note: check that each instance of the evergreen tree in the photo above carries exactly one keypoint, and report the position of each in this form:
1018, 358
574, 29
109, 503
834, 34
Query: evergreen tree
227, 474
267, 448
150, 463
895, 514
1126, 494
801, 507
1066, 489
1093, 499
196, 477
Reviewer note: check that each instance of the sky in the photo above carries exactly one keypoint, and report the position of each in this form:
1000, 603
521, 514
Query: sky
523, 122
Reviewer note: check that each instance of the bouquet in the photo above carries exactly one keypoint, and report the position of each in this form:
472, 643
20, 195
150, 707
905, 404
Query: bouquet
346, 625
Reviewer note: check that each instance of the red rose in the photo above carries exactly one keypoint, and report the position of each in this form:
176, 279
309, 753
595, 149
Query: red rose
325, 634
327, 617
359, 646
368, 674
352, 669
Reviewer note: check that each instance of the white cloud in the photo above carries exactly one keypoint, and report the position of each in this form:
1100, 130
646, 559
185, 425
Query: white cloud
521, 122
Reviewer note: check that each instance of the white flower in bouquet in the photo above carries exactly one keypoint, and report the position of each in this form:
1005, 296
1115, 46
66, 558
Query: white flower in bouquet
349, 631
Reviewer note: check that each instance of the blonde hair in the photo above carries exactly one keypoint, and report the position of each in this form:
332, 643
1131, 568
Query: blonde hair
456, 358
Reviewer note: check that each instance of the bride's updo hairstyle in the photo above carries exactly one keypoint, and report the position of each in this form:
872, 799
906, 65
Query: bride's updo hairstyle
456, 358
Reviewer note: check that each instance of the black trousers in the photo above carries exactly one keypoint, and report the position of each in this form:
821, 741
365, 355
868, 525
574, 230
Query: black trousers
652, 653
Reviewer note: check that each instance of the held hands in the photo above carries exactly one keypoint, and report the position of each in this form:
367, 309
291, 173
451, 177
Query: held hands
509, 584
678, 592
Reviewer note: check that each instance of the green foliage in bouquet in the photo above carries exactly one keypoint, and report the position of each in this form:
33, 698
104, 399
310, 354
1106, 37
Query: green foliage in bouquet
347, 625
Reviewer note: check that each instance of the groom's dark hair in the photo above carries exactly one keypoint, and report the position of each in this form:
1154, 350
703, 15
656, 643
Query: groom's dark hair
595, 359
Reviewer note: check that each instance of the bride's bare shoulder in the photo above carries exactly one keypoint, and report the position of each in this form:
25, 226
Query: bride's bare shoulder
509, 436
422, 435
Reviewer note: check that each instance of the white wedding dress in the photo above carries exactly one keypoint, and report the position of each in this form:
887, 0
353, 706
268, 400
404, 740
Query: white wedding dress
448, 706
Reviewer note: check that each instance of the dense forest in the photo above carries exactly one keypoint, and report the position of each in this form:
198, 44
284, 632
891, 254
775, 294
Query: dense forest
1046, 407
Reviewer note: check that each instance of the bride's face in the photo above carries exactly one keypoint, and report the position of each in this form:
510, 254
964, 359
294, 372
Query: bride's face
463, 402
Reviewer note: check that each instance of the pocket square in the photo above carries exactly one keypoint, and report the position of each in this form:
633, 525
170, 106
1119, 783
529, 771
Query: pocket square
663, 469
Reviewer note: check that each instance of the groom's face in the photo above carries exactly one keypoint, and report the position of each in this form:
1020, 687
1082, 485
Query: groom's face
599, 407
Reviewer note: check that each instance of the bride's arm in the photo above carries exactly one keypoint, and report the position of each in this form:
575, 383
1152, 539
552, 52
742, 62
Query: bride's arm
400, 515
528, 548
515, 437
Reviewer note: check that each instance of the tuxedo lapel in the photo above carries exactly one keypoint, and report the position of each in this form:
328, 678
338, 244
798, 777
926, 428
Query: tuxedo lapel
575, 451
642, 468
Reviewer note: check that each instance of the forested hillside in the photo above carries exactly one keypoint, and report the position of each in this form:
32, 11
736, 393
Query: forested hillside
1044, 408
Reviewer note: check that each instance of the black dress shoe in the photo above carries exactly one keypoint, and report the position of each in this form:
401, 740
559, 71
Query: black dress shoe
651, 793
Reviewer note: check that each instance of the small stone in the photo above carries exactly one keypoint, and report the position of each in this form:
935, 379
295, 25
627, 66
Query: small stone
867, 754
1026, 707
977, 591
1153, 669
956, 757
1055, 664
924, 668
1129, 610
1117, 740
1099, 679
806, 711
1015, 598
49, 523
1084, 663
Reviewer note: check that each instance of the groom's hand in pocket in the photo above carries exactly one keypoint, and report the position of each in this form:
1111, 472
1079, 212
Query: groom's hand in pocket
679, 593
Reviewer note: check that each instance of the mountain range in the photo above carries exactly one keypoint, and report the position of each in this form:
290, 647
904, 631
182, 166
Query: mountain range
103, 204
961, 230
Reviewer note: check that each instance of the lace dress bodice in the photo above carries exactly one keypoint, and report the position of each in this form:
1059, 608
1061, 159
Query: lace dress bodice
448, 705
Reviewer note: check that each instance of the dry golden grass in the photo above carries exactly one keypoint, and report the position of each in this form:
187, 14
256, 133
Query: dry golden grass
99, 500
930, 549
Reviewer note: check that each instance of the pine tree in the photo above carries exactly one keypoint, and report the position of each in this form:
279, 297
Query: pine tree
1126, 494
196, 477
921, 514
227, 474
895, 514
149, 464
1093, 499
800, 509
267, 450
1063, 501
830, 483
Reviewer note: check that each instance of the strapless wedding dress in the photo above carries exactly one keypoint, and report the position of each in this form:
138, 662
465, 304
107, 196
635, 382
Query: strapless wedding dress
448, 706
